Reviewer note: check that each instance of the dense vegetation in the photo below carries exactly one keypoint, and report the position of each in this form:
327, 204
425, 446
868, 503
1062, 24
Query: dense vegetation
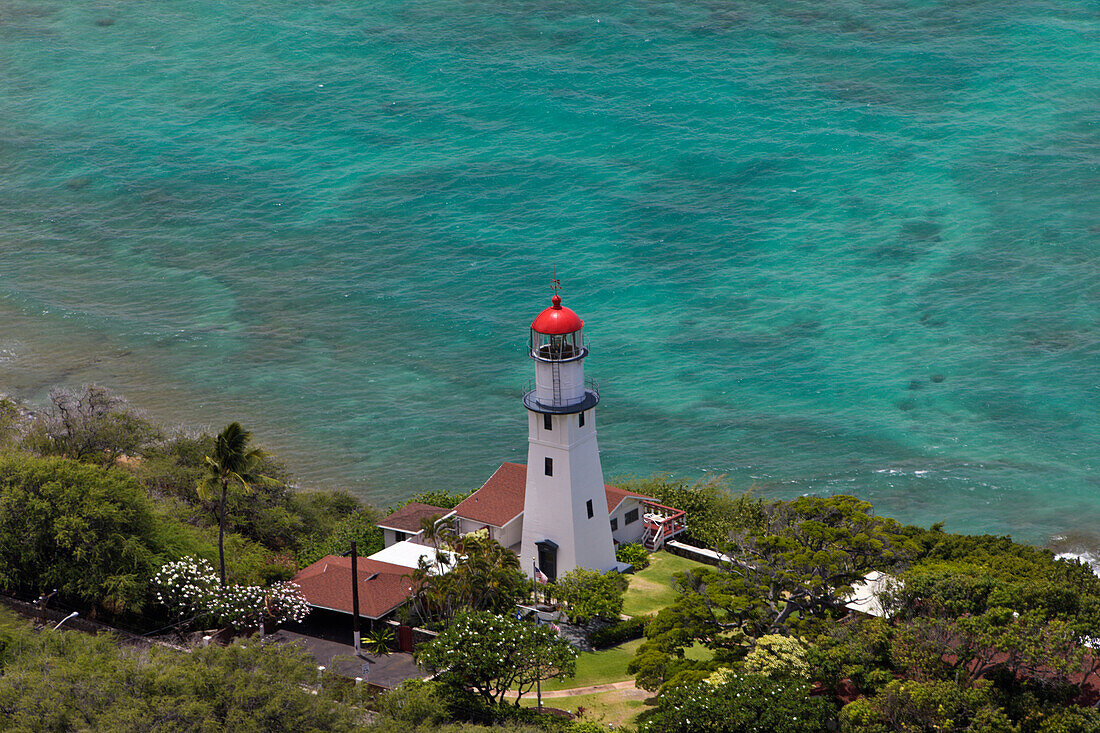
979, 633
62, 681
94, 498
68, 681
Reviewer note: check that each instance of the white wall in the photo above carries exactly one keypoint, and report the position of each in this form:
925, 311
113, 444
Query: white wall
571, 378
556, 506
628, 532
507, 535
511, 533
389, 537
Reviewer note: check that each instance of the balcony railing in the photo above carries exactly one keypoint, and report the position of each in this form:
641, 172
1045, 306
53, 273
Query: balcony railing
556, 404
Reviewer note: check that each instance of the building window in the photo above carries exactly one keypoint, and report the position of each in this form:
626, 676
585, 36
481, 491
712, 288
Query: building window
399, 536
631, 517
550, 469
547, 421
588, 506
614, 525
580, 422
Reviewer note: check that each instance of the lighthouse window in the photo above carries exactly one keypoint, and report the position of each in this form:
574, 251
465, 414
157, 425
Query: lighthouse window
588, 506
631, 516
580, 423
547, 422
550, 468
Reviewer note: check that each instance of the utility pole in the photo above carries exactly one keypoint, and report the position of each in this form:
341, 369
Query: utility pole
355, 595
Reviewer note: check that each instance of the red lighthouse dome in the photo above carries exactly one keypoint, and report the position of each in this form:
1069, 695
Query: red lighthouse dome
557, 320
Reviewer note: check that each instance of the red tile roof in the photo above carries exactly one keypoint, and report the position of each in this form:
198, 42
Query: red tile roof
382, 586
500, 499
615, 495
407, 518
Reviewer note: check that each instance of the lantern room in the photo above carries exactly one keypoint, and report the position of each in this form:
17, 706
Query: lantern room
557, 334
557, 346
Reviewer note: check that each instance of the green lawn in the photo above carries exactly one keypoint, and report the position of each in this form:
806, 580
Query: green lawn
617, 707
699, 653
651, 589
599, 668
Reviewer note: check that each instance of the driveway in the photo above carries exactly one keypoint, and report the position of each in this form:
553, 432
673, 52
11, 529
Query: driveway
388, 670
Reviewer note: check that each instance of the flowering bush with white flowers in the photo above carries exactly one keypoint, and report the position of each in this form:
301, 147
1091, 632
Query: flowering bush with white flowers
190, 587
735, 702
286, 603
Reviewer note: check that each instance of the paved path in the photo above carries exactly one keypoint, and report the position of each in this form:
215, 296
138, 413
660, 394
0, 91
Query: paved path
385, 671
591, 689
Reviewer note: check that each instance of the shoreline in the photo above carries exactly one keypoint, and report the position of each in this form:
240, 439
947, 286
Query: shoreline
1072, 544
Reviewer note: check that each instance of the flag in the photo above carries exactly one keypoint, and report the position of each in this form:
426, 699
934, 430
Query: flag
540, 576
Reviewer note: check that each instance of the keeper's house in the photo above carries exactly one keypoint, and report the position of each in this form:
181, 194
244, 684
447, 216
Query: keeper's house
498, 506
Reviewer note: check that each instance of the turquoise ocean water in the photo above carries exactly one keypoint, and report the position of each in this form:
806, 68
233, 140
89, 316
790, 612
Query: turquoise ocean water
784, 222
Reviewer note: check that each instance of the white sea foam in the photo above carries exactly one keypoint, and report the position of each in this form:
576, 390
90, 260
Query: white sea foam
1086, 557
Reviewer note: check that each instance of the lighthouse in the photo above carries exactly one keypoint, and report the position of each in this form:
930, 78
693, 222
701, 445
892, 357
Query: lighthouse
565, 514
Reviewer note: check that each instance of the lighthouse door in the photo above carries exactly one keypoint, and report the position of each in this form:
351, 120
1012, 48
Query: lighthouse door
548, 558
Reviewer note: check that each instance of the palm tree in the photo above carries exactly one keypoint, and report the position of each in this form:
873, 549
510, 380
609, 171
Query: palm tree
378, 642
233, 462
438, 533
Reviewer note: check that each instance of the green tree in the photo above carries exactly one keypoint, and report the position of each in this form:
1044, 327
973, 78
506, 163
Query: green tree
91, 424
358, 526
232, 462
856, 653
491, 654
907, 706
435, 497
81, 529
485, 577
590, 594
415, 702
802, 559
791, 572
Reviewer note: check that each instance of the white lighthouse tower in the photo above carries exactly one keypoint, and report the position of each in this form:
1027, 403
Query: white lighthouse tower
565, 520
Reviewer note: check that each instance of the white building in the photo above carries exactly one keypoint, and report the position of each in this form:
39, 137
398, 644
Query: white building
565, 518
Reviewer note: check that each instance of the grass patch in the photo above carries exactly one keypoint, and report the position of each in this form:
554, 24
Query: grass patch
699, 653
650, 590
617, 707
598, 668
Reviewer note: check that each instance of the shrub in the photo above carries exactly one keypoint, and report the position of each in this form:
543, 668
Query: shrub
90, 424
73, 681
591, 595
932, 705
415, 702
778, 656
634, 554
88, 531
617, 633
